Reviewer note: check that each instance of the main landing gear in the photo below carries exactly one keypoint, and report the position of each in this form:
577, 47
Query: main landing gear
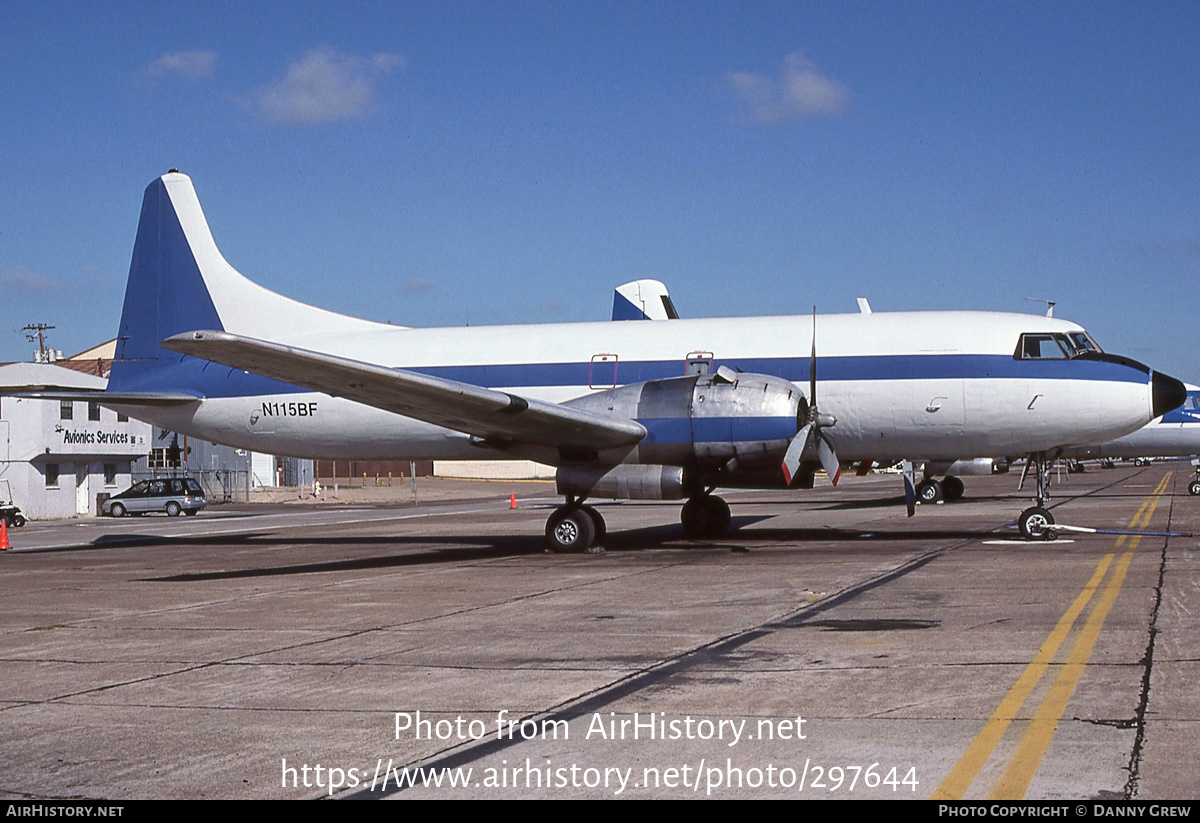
705, 515
1036, 522
931, 491
575, 527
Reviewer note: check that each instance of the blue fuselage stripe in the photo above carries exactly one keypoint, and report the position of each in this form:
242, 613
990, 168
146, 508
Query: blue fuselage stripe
662, 430
187, 374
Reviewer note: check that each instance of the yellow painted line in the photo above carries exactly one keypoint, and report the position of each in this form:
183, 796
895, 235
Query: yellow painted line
956, 783
967, 768
1028, 758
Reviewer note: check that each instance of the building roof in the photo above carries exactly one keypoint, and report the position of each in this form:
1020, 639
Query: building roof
45, 377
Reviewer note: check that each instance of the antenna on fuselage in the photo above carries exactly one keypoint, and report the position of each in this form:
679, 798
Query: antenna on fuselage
1050, 304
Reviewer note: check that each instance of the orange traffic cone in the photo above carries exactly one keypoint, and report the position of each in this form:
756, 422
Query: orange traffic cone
4, 535
512, 504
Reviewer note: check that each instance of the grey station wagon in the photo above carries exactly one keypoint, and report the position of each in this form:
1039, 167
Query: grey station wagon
169, 494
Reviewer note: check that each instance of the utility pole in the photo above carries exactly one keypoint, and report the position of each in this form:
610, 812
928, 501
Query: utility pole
41, 329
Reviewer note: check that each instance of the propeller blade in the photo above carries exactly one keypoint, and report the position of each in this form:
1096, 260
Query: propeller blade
828, 457
910, 488
795, 451
812, 365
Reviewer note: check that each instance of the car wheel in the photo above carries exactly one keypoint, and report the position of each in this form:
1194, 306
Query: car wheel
173, 509
18, 521
117, 510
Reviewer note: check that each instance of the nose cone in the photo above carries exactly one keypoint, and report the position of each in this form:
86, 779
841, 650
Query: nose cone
1168, 393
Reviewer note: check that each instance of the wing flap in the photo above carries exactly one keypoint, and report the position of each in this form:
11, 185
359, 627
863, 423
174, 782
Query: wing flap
485, 413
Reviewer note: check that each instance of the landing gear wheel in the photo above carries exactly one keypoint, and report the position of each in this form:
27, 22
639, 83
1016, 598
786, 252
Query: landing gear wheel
601, 529
1036, 523
953, 488
570, 530
929, 492
117, 510
705, 516
173, 509
1194, 488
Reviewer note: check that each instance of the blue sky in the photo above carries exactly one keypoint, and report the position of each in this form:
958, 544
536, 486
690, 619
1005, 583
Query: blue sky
450, 163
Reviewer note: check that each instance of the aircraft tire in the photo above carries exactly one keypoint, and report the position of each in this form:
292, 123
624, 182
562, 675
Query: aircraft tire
570, 530
953, 488
929, 492
598, 524
1035, 523
1194, 488
705, 516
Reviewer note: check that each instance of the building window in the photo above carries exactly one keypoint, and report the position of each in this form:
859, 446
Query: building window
122, 418
110, 474
66, 410
167, 458
52, 475
93, 410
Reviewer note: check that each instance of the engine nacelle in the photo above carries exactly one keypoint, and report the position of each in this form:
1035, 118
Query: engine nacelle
726, 422
980, 467
624, 482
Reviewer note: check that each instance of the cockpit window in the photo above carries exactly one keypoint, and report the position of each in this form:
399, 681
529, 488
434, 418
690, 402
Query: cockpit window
1042, 347
1082, 341
1045, 346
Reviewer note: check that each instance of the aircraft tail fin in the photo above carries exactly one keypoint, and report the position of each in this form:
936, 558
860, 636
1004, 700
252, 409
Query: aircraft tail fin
179, 281
643, 300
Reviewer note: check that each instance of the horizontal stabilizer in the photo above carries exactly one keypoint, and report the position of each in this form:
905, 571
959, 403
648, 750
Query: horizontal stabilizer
112, 398
484, 413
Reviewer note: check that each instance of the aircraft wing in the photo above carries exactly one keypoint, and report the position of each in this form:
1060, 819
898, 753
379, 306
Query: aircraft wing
485, 413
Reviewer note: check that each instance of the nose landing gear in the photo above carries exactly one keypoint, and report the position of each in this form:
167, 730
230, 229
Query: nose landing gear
1036, 522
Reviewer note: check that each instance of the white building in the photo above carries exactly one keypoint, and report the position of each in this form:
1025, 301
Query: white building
57, 456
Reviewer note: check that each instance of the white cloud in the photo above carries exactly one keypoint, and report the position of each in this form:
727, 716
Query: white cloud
325, 86
24, 281
191, 64
418, 285
799, 91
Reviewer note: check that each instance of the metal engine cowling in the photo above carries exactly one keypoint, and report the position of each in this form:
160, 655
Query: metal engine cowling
727, 422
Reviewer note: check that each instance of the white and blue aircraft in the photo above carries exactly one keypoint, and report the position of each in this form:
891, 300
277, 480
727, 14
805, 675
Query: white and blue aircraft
624, 410
1175, 434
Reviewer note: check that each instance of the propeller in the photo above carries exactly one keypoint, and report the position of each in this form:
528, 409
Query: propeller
910, 487
811, 439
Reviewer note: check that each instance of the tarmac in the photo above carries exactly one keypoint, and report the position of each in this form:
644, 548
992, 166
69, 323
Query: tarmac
828, 647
